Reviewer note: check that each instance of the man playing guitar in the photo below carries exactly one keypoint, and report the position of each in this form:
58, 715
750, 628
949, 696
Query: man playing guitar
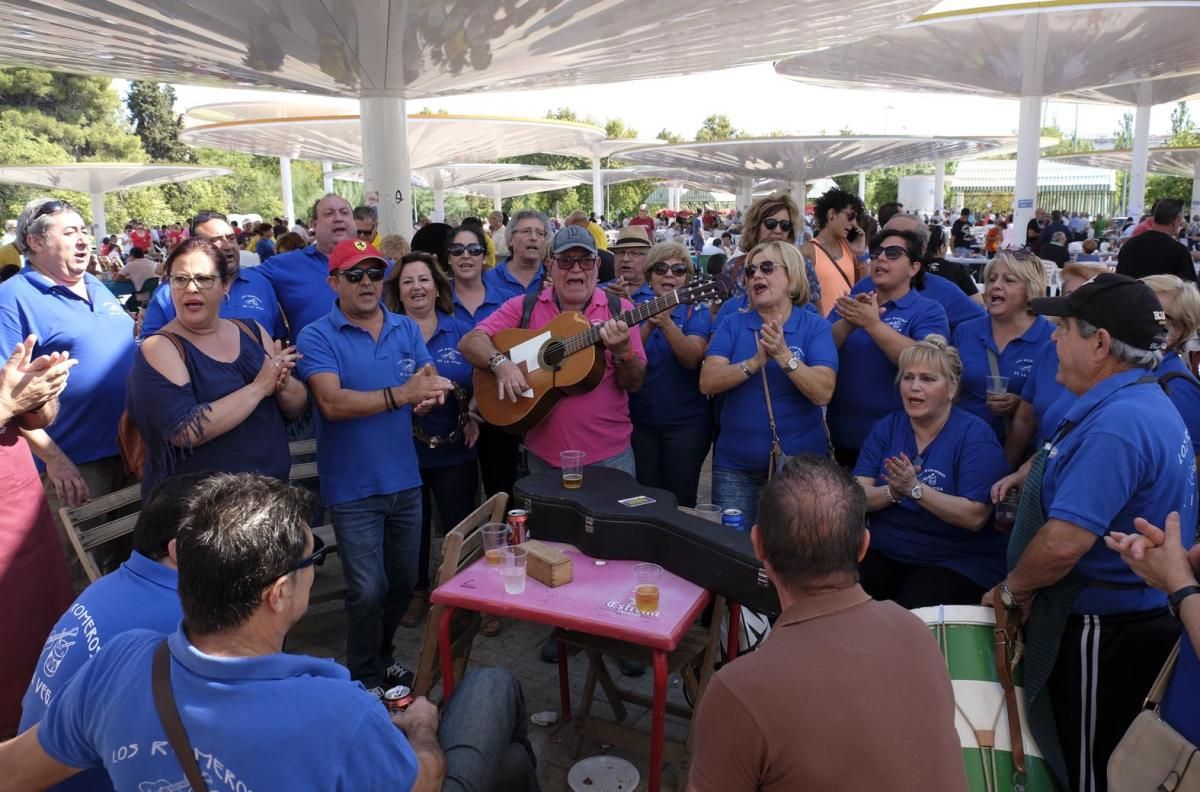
596, 422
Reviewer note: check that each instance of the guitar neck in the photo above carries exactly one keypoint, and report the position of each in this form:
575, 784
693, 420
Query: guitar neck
637, 315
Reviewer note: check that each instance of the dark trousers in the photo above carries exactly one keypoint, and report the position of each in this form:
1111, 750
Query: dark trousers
453, 489
846, 457
499, 459
1105, 667
910, 586
671, 459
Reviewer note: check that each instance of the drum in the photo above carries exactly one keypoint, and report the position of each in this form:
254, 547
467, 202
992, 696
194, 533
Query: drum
966, 636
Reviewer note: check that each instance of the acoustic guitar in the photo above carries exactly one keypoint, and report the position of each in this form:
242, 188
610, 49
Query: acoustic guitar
566, 357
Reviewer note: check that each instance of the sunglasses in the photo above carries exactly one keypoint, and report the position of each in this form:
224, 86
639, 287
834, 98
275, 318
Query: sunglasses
203, 282
356, 275
316, 558
474, 249
231, 238
50, 207
891, 252
203, 217
662, 268
568, 264
771, 223
368, 234
766, 267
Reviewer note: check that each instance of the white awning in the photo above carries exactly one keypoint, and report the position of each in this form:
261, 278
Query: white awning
1001, 176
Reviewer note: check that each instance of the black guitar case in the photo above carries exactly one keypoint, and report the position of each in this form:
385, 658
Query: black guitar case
710, 555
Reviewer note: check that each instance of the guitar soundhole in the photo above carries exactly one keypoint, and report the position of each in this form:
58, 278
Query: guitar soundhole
553, 353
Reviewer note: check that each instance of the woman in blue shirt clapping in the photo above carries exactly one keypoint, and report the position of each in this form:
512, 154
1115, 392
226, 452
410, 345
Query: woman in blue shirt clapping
928, 471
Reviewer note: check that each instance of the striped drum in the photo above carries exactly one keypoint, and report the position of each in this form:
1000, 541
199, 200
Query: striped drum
966, 636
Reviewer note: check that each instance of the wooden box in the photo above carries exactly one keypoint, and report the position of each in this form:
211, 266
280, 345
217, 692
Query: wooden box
546, 565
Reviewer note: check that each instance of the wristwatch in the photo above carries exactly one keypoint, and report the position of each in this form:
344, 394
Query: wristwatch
497, 360
1007, 599
1176, 599
792, 364
916, 492
745, 367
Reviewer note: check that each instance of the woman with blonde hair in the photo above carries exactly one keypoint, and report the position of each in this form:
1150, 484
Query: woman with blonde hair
1000, 348
774, 358
772, 218
671, 417
928, 470
1181, 303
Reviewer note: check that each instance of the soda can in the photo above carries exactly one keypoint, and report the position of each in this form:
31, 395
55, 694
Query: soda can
733, 518
518, 520
398, 698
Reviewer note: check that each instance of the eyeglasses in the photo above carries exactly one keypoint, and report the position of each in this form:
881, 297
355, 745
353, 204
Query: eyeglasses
230, 238
891, 252
203, 282
766, 267
1021, 255
356, 275
315, 558
771, 223
474, 249
50, 207
662, 268
367, 234
632, 252
538, 232
568, 264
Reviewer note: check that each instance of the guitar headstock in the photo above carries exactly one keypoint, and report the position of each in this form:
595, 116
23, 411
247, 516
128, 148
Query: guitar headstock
718, 288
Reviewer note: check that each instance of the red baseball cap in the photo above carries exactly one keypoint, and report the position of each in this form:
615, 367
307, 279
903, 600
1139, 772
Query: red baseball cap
352, 252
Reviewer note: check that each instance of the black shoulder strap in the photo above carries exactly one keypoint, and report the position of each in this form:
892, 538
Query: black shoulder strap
168, 715
614, 305
1165, 379
527, 308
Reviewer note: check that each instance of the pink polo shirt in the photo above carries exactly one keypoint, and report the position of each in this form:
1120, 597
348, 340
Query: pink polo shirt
596, 422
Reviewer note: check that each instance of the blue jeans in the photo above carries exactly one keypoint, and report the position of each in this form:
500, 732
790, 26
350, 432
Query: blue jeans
379, 539
622, 461
671, 459
739, 489
482, 733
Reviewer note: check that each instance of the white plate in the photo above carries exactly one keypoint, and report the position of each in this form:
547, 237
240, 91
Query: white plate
606, 774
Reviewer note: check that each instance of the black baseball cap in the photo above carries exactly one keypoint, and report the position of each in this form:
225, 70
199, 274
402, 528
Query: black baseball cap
1127, 308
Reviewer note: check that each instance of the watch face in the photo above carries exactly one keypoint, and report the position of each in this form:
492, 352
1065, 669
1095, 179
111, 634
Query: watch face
917, 492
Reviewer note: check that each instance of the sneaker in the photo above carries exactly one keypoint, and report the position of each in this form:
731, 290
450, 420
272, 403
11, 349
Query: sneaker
631, 668
377, 692
550, 650
397, 674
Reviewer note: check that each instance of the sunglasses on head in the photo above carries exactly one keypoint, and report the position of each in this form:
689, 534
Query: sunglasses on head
568, 264
50, 207
473, 249
766, 267
203, 217
356, 275
771, 223
315, 558
662, 268
891, 252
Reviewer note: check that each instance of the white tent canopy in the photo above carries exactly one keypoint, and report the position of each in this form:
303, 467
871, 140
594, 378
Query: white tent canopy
1181, 161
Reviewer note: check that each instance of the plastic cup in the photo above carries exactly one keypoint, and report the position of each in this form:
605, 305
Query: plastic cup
512, 569
709, 511
495, 539
1006, 510
997, 385
572, 468
646, 578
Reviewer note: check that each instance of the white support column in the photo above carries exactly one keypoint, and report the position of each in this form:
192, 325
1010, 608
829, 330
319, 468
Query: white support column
327, 176
939, 185
497, 199
799, 194
597, 187
387, 176
1137, 167
745, 195
862, 185
1195, 210
439, 198
99, 221
1029, 139
285, 185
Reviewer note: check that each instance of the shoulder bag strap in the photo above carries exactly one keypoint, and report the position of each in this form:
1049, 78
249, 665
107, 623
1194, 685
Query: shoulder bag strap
833, 261
168, 715
1164, 676
770, 410
1007, 623
245, 328
527, 304
994, 365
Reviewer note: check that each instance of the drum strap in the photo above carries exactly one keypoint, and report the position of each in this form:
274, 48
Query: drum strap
1007, 624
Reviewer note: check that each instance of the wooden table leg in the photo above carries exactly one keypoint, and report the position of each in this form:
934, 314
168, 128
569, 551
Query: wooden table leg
658, 718
564, 680
735, 628
445, 653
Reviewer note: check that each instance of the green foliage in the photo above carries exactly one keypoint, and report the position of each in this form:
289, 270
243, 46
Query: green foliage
1183, 129
152, 111
669, 136
718, 127
1123, 136
1066, 144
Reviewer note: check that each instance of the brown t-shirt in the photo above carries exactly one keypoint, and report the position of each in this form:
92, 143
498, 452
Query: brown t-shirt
846, 694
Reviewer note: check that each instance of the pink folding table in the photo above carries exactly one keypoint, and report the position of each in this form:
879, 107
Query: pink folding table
598, 601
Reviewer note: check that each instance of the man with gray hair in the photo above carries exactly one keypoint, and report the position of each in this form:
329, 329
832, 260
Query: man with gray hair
524, 269
1096, 634
817, 706
1056, 249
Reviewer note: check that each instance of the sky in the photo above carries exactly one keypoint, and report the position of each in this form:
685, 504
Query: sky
759, 101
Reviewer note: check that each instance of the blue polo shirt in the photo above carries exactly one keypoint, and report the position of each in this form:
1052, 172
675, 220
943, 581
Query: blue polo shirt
337, 735
1128, 456
301, 282
974, 338
251, 298
959, 307
1184, 393
866, 386
97, 332
440, 421
140, 594
740, 303
965, 459
500, 279
493, 298
360, 457
670, 396
265, 249
745, 439
1048, 397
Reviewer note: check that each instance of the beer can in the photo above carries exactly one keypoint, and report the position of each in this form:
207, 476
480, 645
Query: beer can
518, 520
733, 518
398, 698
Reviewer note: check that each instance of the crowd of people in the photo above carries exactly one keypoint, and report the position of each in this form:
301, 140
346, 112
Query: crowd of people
910, 398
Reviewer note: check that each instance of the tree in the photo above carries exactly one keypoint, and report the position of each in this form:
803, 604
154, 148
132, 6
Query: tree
1183, 129
669, 136
152, 111
1123, 136
718, 127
